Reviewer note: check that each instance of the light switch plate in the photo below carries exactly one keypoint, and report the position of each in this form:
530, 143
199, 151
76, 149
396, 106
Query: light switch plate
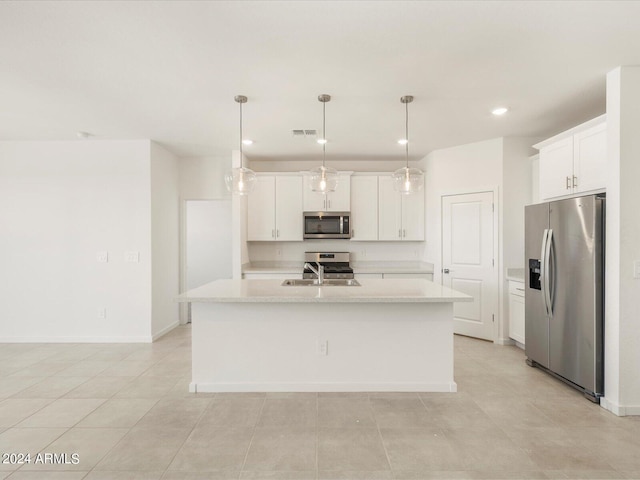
636, 269
102, 257
132, 257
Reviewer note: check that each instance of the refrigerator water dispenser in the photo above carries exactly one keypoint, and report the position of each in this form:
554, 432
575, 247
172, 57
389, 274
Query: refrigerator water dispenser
534, 274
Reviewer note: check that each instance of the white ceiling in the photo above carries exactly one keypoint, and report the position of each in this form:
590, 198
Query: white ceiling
169, 71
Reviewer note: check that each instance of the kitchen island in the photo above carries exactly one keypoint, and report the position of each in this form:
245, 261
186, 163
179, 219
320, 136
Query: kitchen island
261, 336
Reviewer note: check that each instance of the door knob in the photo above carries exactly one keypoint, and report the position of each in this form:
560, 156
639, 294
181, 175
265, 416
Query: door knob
445, 270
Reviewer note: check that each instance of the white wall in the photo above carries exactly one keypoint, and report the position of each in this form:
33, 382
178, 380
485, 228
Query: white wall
60, 203
164, 239
515, 194
622, 296
202, 178
500, 164
465, 168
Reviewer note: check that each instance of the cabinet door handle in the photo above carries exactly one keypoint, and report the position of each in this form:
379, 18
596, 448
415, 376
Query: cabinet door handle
568, 183
399, 233
328, 203
445, 270
404, 232
273, 234
575, 181
277, 233
520, 289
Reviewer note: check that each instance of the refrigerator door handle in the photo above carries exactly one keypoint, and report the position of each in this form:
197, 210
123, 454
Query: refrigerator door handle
547, 270
543, 271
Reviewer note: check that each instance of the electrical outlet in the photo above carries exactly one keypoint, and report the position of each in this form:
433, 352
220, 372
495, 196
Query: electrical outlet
132, 257
323, 347
102, 257
278, 252
636, 269
102, 313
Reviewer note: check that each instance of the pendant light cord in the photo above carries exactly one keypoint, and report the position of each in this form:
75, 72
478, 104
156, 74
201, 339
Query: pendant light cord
241, 161
324, 133
406, 109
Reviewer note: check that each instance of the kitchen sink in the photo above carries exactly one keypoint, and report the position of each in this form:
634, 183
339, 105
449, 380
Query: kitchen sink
313, 282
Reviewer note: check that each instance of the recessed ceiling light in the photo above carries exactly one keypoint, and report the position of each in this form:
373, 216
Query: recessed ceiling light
403, 141
247, 141
322, 141
500, 111
83, 135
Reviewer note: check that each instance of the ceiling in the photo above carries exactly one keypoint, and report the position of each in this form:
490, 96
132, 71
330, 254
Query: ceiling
169, 71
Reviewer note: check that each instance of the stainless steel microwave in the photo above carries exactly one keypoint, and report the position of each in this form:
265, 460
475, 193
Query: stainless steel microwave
327, 225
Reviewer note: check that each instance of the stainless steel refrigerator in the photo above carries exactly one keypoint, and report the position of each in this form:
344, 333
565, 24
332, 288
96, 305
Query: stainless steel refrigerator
564, 294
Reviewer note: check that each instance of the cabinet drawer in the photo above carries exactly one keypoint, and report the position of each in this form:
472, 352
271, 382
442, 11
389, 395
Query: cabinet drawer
516, 288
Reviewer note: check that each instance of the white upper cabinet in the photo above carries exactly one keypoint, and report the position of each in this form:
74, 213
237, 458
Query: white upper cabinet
589, 158
574, 161
364, 207
289, 208
400, 217
337, 201
413, 216
274, 209
261, 209
556, 169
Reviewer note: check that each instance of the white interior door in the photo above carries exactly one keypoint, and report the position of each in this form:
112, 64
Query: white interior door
468, 263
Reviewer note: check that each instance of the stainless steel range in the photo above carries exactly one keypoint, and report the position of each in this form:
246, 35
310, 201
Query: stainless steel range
336, 264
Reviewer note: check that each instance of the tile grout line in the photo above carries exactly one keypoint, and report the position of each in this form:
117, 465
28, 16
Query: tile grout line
384, 447
253, 433
186, 438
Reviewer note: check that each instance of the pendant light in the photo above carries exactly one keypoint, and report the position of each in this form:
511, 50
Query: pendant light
324, 179
407, 180
241, 180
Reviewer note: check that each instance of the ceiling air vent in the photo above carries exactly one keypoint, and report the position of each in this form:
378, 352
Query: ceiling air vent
304, 133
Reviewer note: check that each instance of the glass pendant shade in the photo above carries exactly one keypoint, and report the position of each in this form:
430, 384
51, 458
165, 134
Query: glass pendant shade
240, 181
408, 180
324, 179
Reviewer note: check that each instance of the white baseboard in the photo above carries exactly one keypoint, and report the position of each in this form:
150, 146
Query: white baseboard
619, 410
165, 330
75, 339
504, 341
195, 387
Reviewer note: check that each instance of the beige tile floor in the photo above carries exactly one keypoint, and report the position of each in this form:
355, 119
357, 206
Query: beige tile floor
125, 409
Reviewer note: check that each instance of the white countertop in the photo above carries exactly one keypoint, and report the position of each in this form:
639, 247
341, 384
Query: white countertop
370, 291
358, 267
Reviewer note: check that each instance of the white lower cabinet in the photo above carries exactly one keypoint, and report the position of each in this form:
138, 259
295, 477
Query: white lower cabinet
424, 276
271, 276
364, 276
516, 311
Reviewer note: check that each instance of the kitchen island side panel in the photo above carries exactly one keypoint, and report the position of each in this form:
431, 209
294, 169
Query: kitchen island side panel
276, 347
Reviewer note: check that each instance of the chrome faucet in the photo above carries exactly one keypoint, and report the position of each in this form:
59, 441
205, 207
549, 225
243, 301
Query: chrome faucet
319, 272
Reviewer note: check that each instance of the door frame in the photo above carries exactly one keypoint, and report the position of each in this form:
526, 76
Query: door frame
497, 243
185, 307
